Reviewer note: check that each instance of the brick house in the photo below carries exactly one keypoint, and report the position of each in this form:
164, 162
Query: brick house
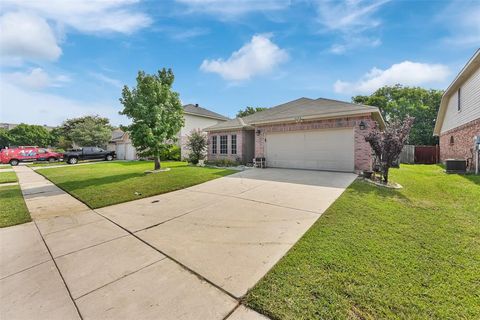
316, 134
458, 119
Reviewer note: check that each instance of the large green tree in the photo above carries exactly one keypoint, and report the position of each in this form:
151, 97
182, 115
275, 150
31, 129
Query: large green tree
249, 110
84, 131
30, 135
397, 102
5, 138
156, 113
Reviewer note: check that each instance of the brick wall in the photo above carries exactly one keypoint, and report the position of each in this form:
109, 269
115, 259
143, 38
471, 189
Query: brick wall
462, 141
229, 155
362, 151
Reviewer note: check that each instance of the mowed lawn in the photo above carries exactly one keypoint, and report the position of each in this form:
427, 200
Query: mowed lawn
108, 183
12, 207
376, 254
6, 177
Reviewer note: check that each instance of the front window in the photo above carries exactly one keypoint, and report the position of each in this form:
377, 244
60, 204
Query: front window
223, 144
233, 144
214, 144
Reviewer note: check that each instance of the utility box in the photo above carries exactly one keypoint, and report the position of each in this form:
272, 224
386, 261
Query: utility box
456, 166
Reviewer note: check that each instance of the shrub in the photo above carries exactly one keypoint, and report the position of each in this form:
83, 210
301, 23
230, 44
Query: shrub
171, 153
197, 144
223, 163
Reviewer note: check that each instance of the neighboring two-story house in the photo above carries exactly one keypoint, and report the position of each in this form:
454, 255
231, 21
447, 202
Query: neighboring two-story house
458, 119
196, 118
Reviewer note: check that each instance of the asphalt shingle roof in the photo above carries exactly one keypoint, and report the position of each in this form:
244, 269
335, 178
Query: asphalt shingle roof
300, 108
197, 110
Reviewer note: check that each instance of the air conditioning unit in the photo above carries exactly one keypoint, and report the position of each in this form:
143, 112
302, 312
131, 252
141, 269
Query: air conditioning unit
456, 166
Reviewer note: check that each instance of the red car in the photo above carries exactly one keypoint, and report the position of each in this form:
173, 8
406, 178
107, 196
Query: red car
28, 154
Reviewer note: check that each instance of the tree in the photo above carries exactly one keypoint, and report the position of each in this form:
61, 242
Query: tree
85, 131
197, 144
156, 113
5, 138
249, 110
396, 102
387, 144
30, 135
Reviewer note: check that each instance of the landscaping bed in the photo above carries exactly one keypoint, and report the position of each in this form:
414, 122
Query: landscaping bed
105, 184
379, 253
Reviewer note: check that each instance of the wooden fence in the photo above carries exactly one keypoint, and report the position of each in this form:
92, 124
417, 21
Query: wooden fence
420, 154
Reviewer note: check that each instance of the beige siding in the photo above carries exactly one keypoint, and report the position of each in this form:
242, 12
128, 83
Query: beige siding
193, 122
469, 101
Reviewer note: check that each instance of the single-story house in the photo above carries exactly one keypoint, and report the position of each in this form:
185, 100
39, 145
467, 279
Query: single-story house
318, 134
196, 118
458, 119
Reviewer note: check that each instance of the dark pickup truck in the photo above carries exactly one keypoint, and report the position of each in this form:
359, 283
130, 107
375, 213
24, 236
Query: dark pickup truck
88, 153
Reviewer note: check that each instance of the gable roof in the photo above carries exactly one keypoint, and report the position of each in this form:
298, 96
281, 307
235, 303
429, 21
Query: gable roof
472, 65
195, 109
300, 109
117, 135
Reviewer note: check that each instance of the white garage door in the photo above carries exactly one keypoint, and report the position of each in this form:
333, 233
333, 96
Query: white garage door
130, 152
331, 149
120, 151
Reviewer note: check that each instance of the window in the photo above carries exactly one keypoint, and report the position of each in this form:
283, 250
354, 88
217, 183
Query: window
214, 145
459, 106
451, 140
223, 144
233, 144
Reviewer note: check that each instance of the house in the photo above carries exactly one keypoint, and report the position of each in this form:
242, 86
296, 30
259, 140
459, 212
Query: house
195, 117
318, 134
458, 119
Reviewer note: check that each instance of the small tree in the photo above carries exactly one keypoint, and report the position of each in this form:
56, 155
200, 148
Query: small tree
156, 113
197, 144
30, 135
388, 144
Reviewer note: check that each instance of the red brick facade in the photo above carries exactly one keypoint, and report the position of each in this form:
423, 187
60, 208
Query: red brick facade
363, 152
233, 157
458, 143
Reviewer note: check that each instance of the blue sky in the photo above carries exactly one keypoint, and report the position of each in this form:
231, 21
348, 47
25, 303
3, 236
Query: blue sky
61, 59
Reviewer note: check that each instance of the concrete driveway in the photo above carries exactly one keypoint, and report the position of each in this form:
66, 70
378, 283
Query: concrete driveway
189, 254
232, 230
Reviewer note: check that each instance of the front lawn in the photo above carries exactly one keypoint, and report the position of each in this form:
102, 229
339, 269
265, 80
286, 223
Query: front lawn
12, 207
109, 183
376, 253
6, 177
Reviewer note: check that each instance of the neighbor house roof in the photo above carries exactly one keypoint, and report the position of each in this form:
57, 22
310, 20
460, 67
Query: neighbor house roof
117, 135
472, 65
196, 110
300, 109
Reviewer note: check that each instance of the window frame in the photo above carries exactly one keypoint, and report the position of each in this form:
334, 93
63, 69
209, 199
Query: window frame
224, 139
214, 144
233, 147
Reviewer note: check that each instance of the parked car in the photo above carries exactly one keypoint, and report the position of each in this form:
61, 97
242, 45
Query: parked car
14, 156
88, 153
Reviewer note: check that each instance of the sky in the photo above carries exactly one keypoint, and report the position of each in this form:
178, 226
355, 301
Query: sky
61, 59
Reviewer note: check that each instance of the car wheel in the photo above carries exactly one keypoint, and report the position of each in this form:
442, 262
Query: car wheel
109, 158
14, 162
51, 160
72, 160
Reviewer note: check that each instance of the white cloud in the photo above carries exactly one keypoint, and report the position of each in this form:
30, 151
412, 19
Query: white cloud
406, 73
462, 19
37, 78
232, 8
259, 56
87, 16
25, 36
348, 15
104, 78
341, 48
34, 107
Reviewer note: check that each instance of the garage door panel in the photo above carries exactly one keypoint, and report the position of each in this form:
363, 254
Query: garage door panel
318, 150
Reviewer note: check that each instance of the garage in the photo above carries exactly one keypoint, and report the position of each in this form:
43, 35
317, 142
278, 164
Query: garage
330, 149
120, 151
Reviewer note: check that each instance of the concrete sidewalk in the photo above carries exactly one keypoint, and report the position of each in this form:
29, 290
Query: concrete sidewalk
72, 263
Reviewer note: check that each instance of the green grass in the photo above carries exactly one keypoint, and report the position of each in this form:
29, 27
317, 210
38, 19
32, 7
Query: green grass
109, 183
6, 177
12, 207
378, 253
46, 164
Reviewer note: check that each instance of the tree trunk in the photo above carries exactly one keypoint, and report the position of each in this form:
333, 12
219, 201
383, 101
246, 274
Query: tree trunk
157, 163
385, 174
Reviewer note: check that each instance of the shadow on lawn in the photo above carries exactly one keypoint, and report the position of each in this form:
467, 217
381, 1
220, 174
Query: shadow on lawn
80, 184
363, 187
472, 177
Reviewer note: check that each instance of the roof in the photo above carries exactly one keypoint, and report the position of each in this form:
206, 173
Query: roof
117, 134
300, 109
472, 65
196, 110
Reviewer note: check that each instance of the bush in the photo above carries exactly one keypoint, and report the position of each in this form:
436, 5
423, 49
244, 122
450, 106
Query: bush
172, 153
222, 163
197, 144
